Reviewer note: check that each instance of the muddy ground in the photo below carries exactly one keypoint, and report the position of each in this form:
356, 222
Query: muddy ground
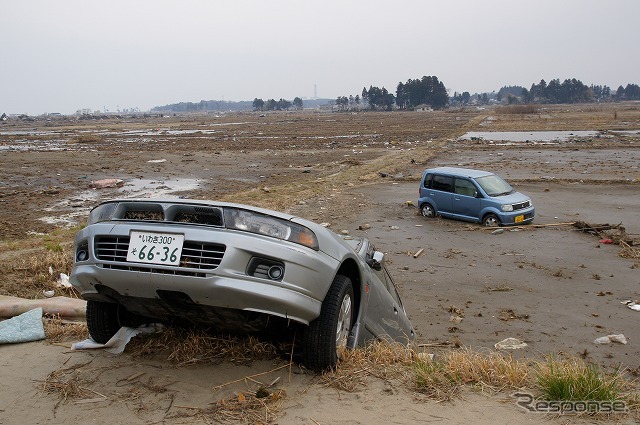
554, 287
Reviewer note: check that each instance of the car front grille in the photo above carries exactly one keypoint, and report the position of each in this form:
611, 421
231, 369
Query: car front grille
195, 255
521, 205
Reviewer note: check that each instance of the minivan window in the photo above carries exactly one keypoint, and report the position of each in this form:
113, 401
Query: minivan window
427, 181
494, 185
465, 187
442, 183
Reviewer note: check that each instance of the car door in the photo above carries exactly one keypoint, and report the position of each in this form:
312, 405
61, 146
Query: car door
404, 324
442, 193
465, 204
383, 312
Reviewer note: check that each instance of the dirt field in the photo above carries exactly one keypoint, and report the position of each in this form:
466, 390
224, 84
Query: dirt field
554, 287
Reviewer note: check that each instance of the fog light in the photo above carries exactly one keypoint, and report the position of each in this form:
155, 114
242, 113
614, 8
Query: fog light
82, 255
275, 272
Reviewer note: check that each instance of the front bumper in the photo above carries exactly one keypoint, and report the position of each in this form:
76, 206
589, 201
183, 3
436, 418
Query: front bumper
298, 295
512, 218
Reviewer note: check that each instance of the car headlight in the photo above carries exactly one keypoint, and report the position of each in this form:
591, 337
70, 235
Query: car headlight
103, 212
269, 226
530, 203
507, 207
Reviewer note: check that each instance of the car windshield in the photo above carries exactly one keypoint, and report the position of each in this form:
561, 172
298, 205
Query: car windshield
494, 185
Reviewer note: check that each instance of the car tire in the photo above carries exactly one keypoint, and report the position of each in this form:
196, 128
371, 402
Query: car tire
330, 331
427, 210
491, 220
102, 320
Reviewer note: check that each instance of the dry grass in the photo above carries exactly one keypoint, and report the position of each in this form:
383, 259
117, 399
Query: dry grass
58, 330
88, 138
381, 359
517, 109
66, 384
439, 379
186, 346
28, 276
489, 369
500, 288
629, 251
260, 407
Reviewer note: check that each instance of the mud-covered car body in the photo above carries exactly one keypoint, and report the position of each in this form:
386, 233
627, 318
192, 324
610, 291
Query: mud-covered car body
233, 267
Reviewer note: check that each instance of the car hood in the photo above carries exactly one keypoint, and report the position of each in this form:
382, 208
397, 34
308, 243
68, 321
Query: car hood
514, 198
328, 242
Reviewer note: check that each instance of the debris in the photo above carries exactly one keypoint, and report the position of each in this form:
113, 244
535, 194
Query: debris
428, 356
508, 314
410, 204
344, 232
633, 305
325, 224
417, 254
157, 161
23, 328
106, 183
49, 294
394, 228
63, 281
66, 307
510, 344
497, 231
611, 338
365, 226
606, 241
455, 319
117, 342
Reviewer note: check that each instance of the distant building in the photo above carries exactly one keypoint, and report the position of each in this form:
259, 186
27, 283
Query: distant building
423, 108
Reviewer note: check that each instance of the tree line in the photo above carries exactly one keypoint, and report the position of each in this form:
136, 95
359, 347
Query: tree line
568, 91
427, 90
430, 91
276, 105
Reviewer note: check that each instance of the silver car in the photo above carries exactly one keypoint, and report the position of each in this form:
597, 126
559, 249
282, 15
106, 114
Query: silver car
233, 267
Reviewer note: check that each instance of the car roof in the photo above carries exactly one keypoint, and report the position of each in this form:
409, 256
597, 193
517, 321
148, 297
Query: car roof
461, 172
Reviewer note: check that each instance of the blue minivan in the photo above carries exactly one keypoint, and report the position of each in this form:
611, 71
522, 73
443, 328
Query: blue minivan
472, 195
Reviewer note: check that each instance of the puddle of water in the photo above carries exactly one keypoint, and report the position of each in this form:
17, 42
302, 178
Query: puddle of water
146, 188
628, 132
81, 203
527, 136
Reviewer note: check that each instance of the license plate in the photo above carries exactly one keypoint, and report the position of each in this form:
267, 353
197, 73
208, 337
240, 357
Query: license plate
519, 218
155, 248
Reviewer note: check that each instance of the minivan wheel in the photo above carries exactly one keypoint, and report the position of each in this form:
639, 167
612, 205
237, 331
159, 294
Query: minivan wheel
427, 211
491, 220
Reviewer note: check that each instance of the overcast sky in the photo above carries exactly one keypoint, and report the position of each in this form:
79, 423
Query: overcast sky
61, 56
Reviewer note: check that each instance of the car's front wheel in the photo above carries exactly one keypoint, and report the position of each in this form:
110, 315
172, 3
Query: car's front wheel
330, 331
491, 220
102, 320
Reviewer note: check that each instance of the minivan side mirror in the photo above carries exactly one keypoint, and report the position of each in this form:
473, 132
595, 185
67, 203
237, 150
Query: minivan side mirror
376, 260
477, 194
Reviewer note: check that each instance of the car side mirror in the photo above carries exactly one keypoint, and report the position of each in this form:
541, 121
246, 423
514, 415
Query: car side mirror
476, 194
376, 260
